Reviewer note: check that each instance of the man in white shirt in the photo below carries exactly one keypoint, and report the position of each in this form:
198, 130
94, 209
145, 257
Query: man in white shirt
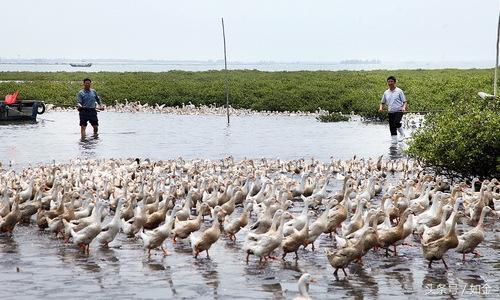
395, 100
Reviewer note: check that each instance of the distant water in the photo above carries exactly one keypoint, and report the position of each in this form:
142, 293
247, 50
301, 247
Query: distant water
163, 66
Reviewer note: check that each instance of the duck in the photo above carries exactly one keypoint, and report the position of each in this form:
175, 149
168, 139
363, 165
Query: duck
468, 241
79, 224
433, 233
84, 237
262, 245
390, 236
55, 225
85, 211
431, 217
456, 205
26, 194
8, 223
341, 258
303, 285
265, 220
357, 220
134, 225
156, 218
318, 226
231, 227
297, 222
292, 242
4, 203
154, 238
183, 229
336, 216
128, 211
206, 239
185, 212
111, 230
435, 250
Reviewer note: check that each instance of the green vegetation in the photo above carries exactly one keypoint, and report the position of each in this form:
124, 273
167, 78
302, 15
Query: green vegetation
332, 117
340, 91
462, 141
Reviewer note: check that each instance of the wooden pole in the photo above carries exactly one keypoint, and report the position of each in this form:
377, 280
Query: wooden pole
496, 63
225, 71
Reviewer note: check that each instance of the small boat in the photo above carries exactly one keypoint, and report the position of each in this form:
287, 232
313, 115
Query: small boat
80, 64
24, 110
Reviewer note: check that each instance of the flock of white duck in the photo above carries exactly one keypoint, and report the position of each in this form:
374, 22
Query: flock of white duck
95, 200
186, 109
409, 121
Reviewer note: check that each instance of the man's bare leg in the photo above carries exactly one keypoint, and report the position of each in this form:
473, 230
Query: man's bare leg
82, 131
95, 129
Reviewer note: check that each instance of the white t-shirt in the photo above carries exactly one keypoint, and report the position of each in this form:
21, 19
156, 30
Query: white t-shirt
394, 99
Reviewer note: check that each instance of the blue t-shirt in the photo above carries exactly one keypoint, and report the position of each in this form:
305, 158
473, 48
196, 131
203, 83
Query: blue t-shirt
88, 98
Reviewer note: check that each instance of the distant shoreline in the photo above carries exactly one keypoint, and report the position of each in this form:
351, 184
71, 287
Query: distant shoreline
117, 65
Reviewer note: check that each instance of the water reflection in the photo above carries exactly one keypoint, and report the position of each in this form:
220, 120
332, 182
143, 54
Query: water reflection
208, 270
404, 277
88, 145
163, 269
395, 151
275, 289
8, 245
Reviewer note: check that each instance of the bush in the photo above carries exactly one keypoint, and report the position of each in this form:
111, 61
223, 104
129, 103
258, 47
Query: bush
462, 141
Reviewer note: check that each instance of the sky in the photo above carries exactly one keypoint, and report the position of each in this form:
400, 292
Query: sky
257, 30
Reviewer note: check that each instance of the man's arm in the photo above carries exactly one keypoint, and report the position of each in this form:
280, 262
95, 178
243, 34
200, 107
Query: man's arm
97, 98
403, 97
381, 107
79, 100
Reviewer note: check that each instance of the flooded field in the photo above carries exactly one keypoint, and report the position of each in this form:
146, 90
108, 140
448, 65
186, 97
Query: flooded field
160, 136
35, 264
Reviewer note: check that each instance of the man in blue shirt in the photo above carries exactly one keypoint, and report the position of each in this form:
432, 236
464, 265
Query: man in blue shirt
86, 100
395, 100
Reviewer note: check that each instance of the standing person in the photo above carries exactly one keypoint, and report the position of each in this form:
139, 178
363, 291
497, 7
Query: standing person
86, 104
395, 100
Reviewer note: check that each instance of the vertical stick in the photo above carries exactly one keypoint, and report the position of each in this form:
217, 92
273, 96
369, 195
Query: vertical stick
225, 71
496, 63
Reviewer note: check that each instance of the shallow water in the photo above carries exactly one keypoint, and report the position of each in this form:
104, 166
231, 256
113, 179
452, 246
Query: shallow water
34, 264
161, 136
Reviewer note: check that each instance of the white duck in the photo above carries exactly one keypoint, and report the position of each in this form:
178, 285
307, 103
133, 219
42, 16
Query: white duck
205, 240
433, 233
84, 237
110, 230
297, 222
468, 241
154, 238
303, 284
263, 245
319, 226
232, 226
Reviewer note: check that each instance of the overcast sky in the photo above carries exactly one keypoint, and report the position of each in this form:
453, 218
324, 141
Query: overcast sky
257, 30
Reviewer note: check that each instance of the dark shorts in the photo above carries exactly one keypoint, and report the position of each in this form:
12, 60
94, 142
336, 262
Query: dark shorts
88, 115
